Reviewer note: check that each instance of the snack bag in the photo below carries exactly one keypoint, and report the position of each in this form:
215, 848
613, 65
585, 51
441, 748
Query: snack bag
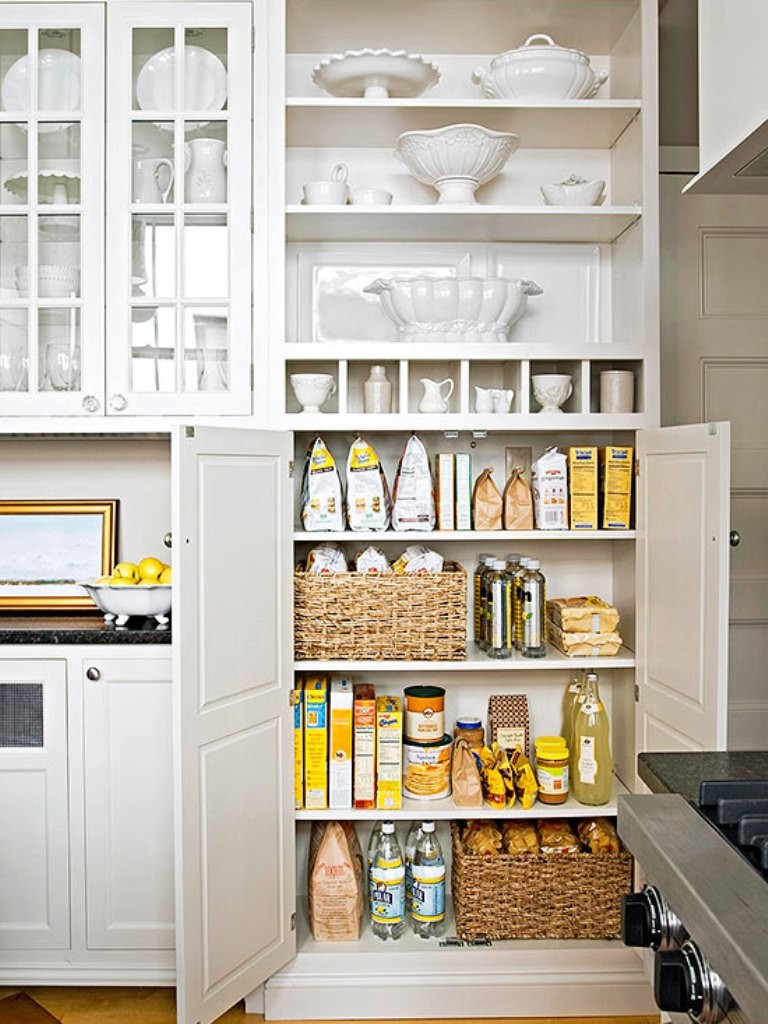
325, 559
418, 560
486, 503
368, 503
550, 491
414, 498
372, 560
518, 503
321, 505
465, 778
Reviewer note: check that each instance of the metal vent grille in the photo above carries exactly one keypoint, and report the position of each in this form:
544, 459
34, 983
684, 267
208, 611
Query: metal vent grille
21, 714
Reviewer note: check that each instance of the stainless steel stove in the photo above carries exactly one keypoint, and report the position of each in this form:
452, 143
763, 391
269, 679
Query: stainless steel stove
704, 911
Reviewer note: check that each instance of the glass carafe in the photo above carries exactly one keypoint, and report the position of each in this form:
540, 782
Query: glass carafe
591, 760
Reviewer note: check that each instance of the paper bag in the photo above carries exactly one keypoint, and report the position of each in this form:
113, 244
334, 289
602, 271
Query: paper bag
486, 503
465, 776
518, 503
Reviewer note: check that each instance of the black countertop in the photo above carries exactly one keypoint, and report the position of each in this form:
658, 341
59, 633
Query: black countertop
682, 773
79, 629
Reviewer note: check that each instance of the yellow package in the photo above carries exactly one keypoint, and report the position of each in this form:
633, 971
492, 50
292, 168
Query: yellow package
297, 699
340, 748
582, 487
316, 743
616, 468
389, 753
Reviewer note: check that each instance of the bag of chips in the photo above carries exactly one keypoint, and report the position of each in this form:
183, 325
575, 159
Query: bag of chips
368, 502
414, 497
321, 504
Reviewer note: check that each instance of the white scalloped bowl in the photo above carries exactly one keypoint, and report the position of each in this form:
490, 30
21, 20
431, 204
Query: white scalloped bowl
456, 159
120, 603
53, 281
451, 309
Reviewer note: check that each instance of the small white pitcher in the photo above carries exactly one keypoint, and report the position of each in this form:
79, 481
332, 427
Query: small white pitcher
483, 399
502, 399
434, 400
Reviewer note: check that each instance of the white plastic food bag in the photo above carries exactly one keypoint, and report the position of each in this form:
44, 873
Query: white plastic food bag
414, 498
368, 502
321, 504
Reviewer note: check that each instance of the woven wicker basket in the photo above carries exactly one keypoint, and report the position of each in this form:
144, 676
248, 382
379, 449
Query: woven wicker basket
359, 617
544, 896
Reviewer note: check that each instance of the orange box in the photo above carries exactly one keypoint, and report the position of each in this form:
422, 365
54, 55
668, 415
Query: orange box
365, 746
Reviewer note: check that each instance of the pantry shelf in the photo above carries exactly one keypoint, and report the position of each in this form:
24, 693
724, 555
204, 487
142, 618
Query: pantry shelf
466, 535
466, 423
440, 222
446, 810
475, 662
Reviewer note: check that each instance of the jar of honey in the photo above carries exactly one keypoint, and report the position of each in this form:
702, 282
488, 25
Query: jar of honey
552, 769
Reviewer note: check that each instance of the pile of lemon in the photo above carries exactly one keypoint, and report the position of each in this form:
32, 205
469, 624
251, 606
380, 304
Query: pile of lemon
147, 572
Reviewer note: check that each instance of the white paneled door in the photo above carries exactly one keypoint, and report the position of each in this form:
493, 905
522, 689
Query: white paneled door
235, 868
682, 607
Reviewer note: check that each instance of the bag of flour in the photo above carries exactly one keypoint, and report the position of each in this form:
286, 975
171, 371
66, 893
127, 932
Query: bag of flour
368, 502
335, 882
414, 498
321, 504
550, 490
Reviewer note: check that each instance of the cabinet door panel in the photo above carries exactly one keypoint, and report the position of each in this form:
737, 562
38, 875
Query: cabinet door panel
34, 816
233, 635
129, 804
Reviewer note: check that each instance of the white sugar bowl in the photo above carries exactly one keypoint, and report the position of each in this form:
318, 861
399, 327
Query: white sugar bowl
574, 191
551, 390
312, 390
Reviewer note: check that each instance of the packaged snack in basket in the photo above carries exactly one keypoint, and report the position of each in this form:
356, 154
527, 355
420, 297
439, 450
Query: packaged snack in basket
486, 503
465, 777
520, 837
518, 503
335, 883
321, 504
598, 835
556, 836
368, 502
372, 560
325, 559
481, 838
582, 614
414, 498
417, 559
584, 645
550, 491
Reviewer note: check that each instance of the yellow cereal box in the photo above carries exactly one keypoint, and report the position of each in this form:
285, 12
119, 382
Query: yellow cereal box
297, 699
365, 746
316, 743
582, 486
340, 751
389, 753
616, 469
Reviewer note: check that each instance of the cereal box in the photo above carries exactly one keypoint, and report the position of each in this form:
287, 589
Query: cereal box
316, 743
582, 487
616, 467
446, 491
389, 753
364, 746
340, 750
297, 699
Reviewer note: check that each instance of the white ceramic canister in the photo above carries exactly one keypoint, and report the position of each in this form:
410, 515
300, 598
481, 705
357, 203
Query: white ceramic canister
424, 713
617, 391
377, 391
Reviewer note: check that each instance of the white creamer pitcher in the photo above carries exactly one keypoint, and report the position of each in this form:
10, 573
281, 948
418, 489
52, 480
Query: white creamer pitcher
435, 399
205, 171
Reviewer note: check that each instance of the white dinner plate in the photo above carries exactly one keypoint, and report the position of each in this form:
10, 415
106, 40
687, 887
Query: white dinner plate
205, 80
58, 85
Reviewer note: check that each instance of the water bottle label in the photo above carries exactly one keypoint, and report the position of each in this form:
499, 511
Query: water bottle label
428, 896
388, 893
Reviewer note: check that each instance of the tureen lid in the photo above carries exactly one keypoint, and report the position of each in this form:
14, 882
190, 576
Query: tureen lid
546, 43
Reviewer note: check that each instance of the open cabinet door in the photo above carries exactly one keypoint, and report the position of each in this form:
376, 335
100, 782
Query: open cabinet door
232, 626
682, 607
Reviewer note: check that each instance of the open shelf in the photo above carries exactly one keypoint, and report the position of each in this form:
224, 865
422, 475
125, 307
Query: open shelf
464, 535
529, 422
441, 222
476, 661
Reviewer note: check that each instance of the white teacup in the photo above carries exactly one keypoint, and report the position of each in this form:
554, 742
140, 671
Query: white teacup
369, 197
551, 390
333, 192
312, 390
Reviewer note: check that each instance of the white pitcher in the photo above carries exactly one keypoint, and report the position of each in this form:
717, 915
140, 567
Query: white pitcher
483, 399
205, 173
434, 400
502, 399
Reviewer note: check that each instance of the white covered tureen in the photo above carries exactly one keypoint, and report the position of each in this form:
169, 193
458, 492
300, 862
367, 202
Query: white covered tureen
540, 71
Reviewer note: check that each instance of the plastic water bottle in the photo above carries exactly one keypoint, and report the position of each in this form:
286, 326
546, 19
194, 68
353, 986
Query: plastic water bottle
411, 842
373, 844
388, 893
428, 898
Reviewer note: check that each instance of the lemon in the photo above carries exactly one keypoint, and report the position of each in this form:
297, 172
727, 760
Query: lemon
127, 571
104, 579
150, 569
121, 581
166, 575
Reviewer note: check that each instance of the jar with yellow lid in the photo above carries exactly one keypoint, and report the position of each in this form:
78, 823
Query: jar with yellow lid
552, 769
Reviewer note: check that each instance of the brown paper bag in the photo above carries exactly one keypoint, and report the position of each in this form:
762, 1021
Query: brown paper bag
465, 776
518, 503
486, 503
335, 882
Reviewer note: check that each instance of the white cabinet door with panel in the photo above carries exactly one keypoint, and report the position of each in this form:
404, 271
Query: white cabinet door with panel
128, 802
34, 810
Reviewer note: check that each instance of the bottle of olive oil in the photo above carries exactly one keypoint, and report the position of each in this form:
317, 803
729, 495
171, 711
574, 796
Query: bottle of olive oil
591, 761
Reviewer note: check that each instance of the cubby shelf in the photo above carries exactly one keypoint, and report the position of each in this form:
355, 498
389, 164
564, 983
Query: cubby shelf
475, 662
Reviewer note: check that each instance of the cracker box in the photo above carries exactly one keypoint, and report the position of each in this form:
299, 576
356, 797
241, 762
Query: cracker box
389, 753
446, 491
582, 488
463, 491
340, 744
364, 725
297, 699
316, 743
616, 469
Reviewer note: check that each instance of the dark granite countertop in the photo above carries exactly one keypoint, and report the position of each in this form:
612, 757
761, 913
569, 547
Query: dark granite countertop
682, 772
79, 629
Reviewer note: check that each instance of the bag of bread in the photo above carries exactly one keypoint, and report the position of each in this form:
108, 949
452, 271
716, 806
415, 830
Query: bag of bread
518, 503
486, 503
325, 559
372, 561
556, 836
465, 778
368, 502
414, 498
321, 505
335, 882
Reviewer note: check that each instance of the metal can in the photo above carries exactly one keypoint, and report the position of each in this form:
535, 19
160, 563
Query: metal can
424, 713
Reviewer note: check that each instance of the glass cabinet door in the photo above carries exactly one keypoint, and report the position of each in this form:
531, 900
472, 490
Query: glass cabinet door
51, 209
179, 209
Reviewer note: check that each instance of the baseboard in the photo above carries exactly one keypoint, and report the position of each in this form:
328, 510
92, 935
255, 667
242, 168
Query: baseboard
748, 725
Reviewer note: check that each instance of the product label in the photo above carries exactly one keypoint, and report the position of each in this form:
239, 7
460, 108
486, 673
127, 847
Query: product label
511, 737
428, 896
532, 604
552, 780
388, 892
424, 725
587, 762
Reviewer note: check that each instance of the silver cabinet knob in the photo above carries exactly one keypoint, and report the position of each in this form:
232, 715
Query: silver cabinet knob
168, 539
93, 674
91, 403
117, 402
734, 538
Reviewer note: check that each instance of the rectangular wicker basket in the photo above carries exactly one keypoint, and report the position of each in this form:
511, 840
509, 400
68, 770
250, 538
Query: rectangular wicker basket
365, 617
539, 896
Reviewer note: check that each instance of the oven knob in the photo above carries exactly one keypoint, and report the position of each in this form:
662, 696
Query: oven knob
636, 923
677, 983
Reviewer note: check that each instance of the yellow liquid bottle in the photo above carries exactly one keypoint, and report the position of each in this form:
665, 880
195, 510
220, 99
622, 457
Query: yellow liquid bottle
570, 697
591, 760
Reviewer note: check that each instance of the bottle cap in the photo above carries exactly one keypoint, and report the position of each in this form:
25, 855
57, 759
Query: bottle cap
499, 563
468, 723
485, 557
388, 827
524, 562
533, 563
514, 557
427, 826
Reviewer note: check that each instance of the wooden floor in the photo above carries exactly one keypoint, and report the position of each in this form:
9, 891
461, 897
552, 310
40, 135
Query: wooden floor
156, 1006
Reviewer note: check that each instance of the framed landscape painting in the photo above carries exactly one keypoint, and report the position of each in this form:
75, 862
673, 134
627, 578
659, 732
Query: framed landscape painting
48, 547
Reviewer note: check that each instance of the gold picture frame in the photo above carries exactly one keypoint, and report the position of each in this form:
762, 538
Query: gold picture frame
48, 547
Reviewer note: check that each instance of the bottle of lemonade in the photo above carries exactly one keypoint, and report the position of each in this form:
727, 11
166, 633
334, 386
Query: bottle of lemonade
570, 698
591, 761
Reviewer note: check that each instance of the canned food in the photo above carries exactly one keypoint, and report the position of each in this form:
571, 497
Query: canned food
424, 713
427, 769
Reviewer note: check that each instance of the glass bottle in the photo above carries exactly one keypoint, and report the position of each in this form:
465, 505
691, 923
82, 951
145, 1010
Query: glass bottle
533, 607
478, 611
570, 698
388, 893
517, 606
591, 761
499, 586
428, 900
377, 391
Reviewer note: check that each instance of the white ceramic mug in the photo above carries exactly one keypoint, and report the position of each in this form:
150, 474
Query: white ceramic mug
617, 391
312, 390
334, 192
147, 174
369, 197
